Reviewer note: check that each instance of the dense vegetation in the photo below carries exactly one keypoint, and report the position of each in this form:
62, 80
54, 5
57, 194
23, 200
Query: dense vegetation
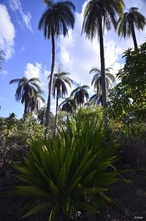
69, 159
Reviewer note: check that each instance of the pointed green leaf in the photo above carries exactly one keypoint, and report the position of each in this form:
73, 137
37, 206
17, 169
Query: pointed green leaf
54, 212
86, 206
54, 189
38, 208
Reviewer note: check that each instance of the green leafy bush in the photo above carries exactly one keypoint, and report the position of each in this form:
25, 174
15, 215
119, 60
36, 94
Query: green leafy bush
69, 169
21, 131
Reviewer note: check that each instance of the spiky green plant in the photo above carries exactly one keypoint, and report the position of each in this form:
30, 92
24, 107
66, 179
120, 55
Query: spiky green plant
63, 172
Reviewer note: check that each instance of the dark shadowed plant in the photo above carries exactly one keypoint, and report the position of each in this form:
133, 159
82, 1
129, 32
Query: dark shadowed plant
63, 172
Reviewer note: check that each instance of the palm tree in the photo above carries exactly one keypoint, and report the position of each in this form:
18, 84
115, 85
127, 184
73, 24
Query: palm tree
98, 15
96, 82
26, 90
80, 94
60, 82
55, 21
128, 22
35, 101
96, 99
68, 105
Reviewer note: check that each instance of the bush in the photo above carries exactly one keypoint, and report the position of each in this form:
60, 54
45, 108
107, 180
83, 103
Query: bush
68, 172
21, 131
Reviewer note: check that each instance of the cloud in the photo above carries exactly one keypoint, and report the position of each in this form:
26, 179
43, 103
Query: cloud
3, 73
23, 48
7, 32
15, 5
36, 70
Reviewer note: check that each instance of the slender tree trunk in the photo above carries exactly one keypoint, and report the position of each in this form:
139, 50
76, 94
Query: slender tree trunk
134, 37
56, 117
50, 85
25, 109
102, 62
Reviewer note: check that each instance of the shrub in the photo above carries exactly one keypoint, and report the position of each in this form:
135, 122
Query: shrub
65, 171
21, 131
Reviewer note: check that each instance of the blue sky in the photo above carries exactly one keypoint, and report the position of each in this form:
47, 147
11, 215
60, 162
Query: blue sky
29, 54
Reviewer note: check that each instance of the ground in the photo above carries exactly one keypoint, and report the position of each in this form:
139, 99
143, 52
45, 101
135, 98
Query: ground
131, 198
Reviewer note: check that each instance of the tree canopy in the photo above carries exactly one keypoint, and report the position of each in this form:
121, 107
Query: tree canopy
129, 95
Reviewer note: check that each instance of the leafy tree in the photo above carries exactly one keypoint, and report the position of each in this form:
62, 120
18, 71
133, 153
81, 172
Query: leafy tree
128, 22
80, 94
55, 20
96, 82
26, 90
129, 95
98, 15
60, 82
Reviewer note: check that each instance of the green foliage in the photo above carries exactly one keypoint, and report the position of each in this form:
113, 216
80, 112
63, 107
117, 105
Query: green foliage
129, 95
21, 131
91, 111
69, 169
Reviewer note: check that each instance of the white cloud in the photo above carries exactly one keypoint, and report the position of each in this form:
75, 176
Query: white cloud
36, 70
23, 48
3, 73
7, 32
15, 5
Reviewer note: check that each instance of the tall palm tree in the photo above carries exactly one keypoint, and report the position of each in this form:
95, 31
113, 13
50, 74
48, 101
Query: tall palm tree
80, 94
55, 20
96, 82
68, 105
128, 22
98, 15
60, 82
26, 90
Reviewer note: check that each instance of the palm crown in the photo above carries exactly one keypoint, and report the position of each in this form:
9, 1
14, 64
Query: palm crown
127, 23
60, 82
27, 91
96, 81
80, 94
68, 105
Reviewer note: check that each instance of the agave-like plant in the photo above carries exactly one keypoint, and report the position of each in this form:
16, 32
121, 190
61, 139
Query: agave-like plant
64, 171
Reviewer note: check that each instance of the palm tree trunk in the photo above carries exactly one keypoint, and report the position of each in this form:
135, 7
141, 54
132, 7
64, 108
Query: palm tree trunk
56, 117
134, 37
102, 62
50, 85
